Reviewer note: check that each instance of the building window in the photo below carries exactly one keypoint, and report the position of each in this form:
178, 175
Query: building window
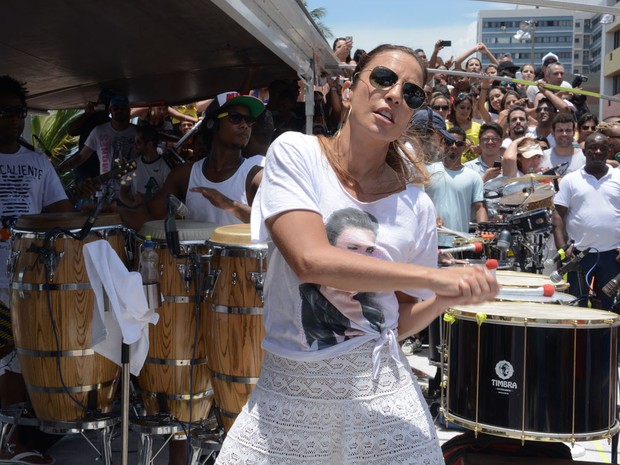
577, 24
577, 40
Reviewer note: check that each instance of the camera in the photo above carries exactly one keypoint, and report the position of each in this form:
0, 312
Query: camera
578, 80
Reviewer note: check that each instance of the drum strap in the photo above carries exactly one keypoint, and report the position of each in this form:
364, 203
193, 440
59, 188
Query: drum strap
162, 403
6, 334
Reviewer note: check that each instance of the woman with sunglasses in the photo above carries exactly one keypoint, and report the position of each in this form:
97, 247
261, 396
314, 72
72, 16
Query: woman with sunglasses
351, 397
586, 126
440, 104
462, 116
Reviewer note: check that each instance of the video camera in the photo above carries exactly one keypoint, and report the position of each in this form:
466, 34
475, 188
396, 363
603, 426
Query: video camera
578, 80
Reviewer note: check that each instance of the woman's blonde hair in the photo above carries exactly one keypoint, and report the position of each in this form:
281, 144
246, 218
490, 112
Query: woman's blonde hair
405, 155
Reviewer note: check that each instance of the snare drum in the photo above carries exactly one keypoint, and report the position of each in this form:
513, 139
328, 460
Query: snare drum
235, 310
90, 378
541, 372
507, 278
532, 221
173, 348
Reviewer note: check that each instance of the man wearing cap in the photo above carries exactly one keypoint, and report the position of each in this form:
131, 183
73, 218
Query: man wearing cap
454, 189
507, 68
553, 73
219, 188
587, 210
112, 140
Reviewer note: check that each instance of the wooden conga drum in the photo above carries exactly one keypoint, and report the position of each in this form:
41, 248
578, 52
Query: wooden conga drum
65, 378
235, 329
169, 383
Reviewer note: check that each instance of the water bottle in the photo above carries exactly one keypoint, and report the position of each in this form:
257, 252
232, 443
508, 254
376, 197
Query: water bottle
150, 275
148, 262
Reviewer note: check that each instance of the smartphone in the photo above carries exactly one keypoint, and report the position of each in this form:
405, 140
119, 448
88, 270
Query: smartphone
349, 38
497, 164
446, 43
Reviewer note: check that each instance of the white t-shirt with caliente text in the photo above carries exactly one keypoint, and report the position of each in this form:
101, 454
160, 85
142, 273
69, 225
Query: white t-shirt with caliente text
305, 321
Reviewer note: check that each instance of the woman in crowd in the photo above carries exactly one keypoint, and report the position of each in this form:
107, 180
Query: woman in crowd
440, 104
524, 155
462, 115
377, 415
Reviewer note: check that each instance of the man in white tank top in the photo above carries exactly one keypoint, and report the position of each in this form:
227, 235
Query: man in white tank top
219, 188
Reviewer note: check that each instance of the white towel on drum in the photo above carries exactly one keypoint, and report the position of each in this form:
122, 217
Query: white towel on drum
128, 321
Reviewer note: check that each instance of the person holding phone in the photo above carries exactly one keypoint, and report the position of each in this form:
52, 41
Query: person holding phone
489, 164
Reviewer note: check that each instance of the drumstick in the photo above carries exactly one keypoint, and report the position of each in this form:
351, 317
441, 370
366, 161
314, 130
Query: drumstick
546, 290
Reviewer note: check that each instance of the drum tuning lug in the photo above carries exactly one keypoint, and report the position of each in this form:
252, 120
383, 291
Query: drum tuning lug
13, 258
211, 278
259, 280
186, 275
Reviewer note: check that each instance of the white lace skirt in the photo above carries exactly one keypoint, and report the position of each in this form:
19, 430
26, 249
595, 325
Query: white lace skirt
333, 412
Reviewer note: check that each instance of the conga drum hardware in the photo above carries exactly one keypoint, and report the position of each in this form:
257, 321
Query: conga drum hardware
532, 372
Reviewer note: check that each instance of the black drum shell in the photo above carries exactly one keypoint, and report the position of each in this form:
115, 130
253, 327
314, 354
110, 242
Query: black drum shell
547, 355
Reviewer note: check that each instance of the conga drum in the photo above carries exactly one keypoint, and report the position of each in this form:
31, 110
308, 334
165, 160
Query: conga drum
52, 306
533, 371
174, 378
235, 310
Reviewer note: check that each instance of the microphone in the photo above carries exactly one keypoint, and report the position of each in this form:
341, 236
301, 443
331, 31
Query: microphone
106, 197
551, 171
179, 207
560, 254
504, 240
474, 247
175, 206
612, 286
556, 276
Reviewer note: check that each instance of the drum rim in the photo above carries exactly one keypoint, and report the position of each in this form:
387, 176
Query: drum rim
599, 318
532, 435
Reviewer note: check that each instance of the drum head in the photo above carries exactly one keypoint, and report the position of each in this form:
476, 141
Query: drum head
189, 231
232, 234
519, 279
557, 298
535, 314
66, 220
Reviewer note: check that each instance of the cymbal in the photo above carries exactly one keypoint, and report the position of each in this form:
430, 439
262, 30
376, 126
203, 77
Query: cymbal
532, 177
541, 192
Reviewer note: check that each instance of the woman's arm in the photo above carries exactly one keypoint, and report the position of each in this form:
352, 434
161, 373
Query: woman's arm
301, 238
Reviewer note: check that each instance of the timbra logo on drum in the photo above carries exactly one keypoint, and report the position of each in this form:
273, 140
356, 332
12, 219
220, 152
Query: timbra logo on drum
504, 370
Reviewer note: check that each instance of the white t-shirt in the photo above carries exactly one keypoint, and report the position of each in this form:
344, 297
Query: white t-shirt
200, 209
149, 177
111, 144
593, 218
453, 192
310, 322
575, 161
28, 183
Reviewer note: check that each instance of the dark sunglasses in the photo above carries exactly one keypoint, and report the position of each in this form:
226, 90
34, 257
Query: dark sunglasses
6, 111
236, 118
458, 143
441, 107
384, 78
544, 110
588, 128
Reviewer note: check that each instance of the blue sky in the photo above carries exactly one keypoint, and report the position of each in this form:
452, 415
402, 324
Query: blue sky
414, 23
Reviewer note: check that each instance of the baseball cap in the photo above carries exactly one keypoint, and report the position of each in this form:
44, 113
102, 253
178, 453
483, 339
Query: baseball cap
227, 99
532, 151
119, 100
550, 58
426, 119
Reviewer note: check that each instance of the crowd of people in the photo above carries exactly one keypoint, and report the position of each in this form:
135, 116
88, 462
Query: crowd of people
353, 212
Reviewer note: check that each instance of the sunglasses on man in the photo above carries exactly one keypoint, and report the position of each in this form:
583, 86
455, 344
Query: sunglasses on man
236, 118
19, 111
